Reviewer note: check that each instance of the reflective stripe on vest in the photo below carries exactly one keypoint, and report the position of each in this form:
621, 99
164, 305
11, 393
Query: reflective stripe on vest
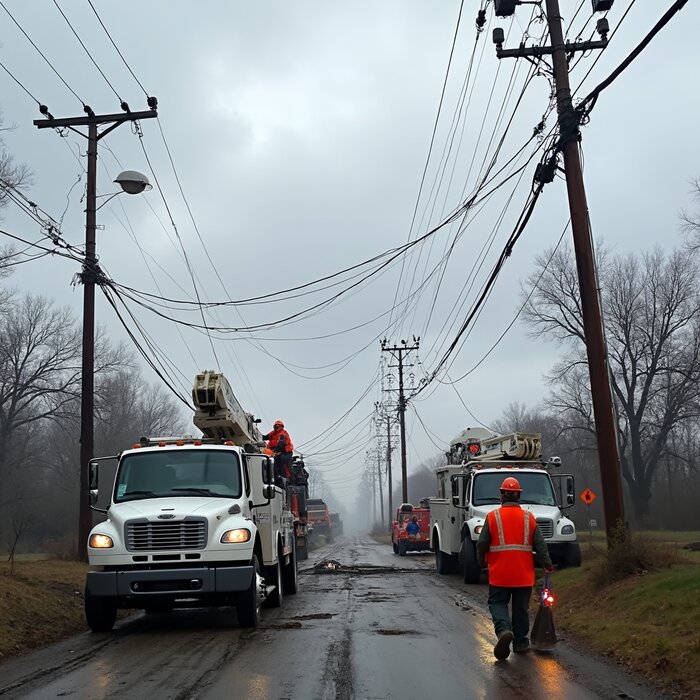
525, 547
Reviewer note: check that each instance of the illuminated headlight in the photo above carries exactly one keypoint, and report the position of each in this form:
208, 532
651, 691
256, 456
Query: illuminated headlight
101, 542
235, 536
567, 530
478, 529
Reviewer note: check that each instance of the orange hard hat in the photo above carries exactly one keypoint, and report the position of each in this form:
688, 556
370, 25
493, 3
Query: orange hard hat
510, 484
278, 422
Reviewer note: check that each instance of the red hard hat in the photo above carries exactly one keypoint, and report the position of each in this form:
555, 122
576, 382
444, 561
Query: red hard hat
510, 484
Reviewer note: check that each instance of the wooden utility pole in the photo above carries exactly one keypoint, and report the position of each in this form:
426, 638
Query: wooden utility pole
398, 352
570, 137
388, 467
89, 276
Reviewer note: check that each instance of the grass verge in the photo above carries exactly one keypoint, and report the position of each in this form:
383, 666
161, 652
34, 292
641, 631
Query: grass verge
41, 603
648, 621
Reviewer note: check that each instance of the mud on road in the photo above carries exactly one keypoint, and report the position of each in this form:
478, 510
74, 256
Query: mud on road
365, 624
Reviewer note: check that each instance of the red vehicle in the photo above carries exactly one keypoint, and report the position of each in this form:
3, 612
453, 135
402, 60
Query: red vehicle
319, 518
401, 541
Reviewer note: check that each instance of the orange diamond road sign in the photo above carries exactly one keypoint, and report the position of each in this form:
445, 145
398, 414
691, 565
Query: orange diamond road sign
588, 497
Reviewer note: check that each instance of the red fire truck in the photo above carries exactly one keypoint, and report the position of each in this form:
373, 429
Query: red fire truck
401, 540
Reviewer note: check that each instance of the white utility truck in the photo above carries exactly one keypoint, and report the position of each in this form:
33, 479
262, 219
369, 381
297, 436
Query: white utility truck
193, 522
469, 487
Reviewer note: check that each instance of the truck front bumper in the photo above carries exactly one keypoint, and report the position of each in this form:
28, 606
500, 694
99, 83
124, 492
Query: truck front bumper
170, 582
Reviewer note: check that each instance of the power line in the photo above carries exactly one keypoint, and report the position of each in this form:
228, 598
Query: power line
94, 62
109, 36
41, 53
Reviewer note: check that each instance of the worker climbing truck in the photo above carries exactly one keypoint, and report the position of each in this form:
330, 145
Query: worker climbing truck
468, 489
193, 522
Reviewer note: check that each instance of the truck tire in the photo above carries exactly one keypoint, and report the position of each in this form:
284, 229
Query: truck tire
471, 571
290, 574
572, 555
100, 613
445, 563
402, 548
248, 601
274, 577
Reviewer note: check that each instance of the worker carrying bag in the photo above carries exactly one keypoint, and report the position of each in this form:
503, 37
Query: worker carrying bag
543, 635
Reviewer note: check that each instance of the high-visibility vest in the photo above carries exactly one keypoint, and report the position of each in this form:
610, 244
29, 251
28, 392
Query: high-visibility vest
275, 438
509, 557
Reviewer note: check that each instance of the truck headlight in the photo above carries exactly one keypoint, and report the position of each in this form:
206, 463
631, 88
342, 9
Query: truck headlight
101, 541
240, 534
567, 530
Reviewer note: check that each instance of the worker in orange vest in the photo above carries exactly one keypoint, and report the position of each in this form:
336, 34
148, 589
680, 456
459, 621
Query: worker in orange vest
279, 444
505, 544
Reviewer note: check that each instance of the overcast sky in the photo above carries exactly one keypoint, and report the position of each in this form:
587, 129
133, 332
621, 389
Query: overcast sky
300, 131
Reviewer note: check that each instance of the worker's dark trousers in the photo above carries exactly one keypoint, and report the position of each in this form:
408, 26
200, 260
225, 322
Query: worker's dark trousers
499, 598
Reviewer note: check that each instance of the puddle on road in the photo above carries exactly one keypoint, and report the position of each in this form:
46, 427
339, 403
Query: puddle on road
335, 567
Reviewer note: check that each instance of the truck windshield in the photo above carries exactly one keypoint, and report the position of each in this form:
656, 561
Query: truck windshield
537, 488
199, 472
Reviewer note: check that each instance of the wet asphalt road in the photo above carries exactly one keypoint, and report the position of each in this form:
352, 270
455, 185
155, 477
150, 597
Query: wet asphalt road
389, 628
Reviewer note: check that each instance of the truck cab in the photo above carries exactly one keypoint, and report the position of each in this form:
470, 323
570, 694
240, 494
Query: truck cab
469, 491
319, 518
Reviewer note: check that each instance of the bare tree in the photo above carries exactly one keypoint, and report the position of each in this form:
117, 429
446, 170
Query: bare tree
13, 175
651, 306
690, 220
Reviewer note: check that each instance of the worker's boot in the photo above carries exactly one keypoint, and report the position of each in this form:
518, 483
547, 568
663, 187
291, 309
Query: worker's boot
502, 649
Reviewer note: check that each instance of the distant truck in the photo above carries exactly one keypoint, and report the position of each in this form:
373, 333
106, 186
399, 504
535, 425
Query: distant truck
468, 489
401, 541
319, 518
337, 524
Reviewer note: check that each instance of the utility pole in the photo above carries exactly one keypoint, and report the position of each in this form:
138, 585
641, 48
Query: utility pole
388, 467
379, 479
90, 275
398, 352
570, 136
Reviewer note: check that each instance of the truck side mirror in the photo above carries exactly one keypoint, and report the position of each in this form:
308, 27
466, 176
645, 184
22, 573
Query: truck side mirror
268, 476
455, 493
92, 475
570, 491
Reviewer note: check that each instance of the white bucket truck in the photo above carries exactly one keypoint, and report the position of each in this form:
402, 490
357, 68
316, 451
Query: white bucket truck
469, 487
193, 522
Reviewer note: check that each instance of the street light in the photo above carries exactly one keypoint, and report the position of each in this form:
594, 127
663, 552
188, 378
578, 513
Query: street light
133, 182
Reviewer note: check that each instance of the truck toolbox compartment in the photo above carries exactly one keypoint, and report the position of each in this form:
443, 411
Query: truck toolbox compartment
142, 583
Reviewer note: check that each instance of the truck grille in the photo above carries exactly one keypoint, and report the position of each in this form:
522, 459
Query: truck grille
546, 527
180, 534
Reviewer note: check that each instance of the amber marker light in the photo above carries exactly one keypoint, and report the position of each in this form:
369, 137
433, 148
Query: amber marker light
236, 536
101, 542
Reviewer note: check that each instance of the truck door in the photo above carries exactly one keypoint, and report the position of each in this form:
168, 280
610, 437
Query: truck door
564, 489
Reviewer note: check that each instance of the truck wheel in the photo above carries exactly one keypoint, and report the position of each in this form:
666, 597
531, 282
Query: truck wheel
290, 574
395, 547
444, 563
100, 613
572, 555
402, 548
274, 578
471, 570
248, 601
